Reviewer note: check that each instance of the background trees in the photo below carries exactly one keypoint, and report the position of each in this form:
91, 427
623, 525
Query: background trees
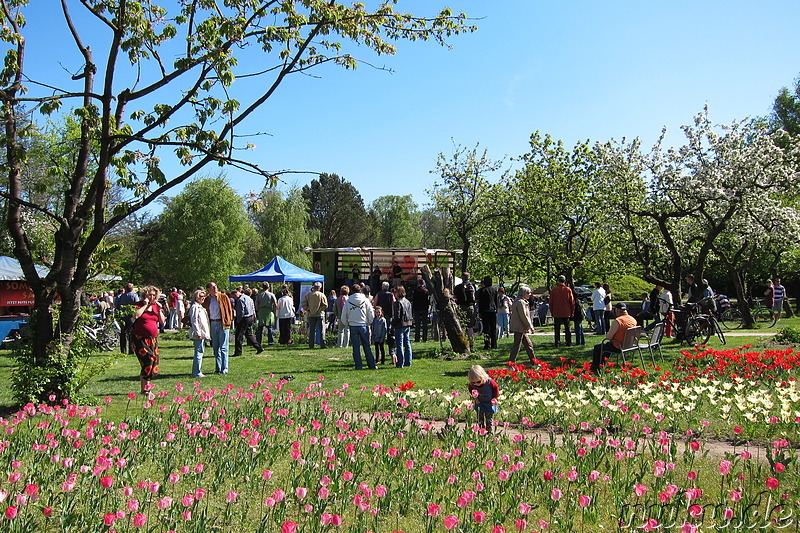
136, 109
398, 221
337, 215
281, 221
561, 212
465, 195
203, 231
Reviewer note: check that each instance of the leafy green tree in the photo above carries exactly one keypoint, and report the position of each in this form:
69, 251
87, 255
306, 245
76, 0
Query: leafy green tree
559, 217
156, 84
337, 215
281, 221
202, 232
434, 229
466, 196
786, 109
398, 221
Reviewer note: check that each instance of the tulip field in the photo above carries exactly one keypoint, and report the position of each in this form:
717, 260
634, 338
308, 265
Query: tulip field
707, 443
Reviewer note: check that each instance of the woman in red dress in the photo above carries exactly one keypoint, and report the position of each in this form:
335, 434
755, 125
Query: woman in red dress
144, 335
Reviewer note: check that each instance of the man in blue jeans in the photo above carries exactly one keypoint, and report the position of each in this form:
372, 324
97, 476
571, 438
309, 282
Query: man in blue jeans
315, 304
357, 315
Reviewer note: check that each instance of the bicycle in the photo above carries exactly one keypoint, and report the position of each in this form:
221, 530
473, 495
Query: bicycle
700, 327
762, 315
731, 318
105, 335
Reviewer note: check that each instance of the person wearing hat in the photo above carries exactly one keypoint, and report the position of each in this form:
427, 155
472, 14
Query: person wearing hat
616, 334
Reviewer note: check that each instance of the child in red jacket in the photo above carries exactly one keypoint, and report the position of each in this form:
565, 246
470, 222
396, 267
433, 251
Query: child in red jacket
484, 391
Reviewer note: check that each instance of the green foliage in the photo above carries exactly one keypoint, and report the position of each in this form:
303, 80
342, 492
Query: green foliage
398, 220
629, 288
71, 366
788, 335
468, 200
203, 229
786, 109
337, 215
281, 221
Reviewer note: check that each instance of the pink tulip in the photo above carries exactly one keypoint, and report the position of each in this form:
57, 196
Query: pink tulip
109, 519
231, 496
433, 509
735, 495
524, 508
139, 520
772, 483
584, 500
727, 513
106, 482
520, 524
556, 494
479, 516
450, 522
650, 525
165, 503
725, 467
289, 527
11, 512
639, 489
695, 510
300, 492
688, 528
498, 529
187, 500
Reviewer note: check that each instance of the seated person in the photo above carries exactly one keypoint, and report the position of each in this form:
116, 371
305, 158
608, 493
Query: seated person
616, 334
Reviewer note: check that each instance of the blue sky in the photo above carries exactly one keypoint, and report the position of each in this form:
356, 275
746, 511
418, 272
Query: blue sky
576, 70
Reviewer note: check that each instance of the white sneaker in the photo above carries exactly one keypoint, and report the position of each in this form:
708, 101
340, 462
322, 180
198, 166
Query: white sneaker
199, 376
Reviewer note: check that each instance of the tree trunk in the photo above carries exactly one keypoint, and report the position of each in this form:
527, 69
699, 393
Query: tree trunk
447, 309
741, 298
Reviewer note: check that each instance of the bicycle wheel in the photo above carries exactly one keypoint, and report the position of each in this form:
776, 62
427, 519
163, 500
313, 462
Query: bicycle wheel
731, 319
698, 331
764, 317
717, 329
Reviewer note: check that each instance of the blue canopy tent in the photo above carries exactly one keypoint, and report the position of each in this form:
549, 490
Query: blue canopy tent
281, 270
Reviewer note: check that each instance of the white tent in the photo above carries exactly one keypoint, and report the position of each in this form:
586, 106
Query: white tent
11, 271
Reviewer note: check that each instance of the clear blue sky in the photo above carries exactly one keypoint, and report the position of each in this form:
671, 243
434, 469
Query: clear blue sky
577, 70
574, 69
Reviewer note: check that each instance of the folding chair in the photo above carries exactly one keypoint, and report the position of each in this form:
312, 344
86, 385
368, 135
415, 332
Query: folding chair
653, 340
630, 343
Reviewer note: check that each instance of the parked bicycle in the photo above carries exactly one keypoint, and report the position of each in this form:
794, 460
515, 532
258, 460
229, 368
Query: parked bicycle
732, 318
701, 326
105, 334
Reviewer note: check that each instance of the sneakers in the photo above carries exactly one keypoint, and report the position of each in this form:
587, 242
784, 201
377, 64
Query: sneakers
201, 375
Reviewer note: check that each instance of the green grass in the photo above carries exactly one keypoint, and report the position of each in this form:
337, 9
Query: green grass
429, 371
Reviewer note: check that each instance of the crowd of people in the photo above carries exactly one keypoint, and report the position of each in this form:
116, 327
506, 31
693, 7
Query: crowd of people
384, 322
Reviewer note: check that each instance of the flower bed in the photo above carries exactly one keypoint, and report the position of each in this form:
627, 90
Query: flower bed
634, 454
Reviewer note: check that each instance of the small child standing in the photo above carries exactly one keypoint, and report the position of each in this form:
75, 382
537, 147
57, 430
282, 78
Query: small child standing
484, 391
379, 335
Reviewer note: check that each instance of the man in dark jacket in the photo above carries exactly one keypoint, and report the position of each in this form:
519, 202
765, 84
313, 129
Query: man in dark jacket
487, 312
419, 304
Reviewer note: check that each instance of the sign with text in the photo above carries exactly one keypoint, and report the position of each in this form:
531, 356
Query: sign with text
13, 293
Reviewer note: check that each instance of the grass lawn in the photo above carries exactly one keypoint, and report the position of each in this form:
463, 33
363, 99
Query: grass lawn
429, 370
